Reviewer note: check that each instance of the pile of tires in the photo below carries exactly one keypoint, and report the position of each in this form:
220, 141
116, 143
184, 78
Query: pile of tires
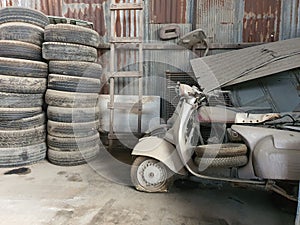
72, 94
23, 81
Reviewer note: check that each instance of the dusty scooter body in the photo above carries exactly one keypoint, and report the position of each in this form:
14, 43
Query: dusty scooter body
256, 155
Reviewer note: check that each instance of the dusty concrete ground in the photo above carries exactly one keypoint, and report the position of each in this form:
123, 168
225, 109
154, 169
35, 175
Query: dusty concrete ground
53, 195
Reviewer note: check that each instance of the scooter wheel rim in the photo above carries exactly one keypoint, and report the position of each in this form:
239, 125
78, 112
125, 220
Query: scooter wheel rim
152, 174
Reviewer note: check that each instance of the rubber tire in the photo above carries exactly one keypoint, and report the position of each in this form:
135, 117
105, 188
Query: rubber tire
221, 150
23, 85
20, 156
76, 68
21, 138
226, 162
20, 50
70, 99
15, 100
73, 144
72, 158
69, 33
24, 123
24, 32
59, 129
23, 68
73, 84
10, 114
26, 15
69, 52
134, 172
75, 115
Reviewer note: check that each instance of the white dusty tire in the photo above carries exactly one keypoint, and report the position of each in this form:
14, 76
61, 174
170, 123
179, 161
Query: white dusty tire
69, 52
73, 158
16, 100
76, 68
26, 15
23, 68
20, 156
75, 115
18, 31
70, 99
69, 33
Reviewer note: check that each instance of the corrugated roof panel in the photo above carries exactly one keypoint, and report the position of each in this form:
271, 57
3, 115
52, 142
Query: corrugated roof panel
247, 64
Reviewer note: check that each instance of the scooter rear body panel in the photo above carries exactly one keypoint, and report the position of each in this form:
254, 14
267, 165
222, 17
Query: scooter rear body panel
274, 154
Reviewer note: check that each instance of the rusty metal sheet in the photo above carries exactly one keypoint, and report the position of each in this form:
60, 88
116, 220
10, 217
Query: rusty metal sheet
168, 11
261, 20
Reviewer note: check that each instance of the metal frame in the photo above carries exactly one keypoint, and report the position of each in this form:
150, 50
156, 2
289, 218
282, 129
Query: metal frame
114, 43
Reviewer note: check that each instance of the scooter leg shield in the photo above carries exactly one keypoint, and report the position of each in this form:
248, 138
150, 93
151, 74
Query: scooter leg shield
158, 148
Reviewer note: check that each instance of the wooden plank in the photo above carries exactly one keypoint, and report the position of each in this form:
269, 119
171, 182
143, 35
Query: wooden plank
125, 74
127, 6
125, 105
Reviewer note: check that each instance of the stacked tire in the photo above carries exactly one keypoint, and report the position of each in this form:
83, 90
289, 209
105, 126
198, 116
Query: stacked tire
23, 81
72, 94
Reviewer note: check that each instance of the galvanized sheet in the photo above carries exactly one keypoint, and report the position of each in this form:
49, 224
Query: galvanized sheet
290, 23
261, 20
218, 19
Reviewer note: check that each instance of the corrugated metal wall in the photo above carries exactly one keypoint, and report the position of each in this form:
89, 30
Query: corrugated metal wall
290, 22
218, 19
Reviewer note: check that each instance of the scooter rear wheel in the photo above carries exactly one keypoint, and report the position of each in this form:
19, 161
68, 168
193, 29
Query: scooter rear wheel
150, 175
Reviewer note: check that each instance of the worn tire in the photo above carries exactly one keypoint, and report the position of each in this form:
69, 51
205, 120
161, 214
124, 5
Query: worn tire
15, 100
9, 114
20, 50
226, 162
75, 115
73, 84
23, 85
76, 68
74, 158
137, 175
18, 31
73, 144
59, 129
70, 99
221, 150
69, 33
21, 138
24, 123
23, 68
26, 15
20, 156
69, 52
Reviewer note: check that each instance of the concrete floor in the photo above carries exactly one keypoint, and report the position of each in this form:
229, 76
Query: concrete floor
55, 195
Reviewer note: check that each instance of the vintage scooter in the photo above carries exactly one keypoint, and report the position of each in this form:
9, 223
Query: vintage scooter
259, 150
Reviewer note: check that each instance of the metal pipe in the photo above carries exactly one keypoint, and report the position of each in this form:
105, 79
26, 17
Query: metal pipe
297, 222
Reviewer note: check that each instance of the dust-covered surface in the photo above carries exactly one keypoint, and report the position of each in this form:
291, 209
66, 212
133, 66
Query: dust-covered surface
77, 195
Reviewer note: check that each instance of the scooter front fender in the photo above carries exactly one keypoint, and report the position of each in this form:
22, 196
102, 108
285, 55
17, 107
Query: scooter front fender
161, 150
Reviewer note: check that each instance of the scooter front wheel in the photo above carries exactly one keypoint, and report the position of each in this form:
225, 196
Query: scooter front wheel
150, 175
